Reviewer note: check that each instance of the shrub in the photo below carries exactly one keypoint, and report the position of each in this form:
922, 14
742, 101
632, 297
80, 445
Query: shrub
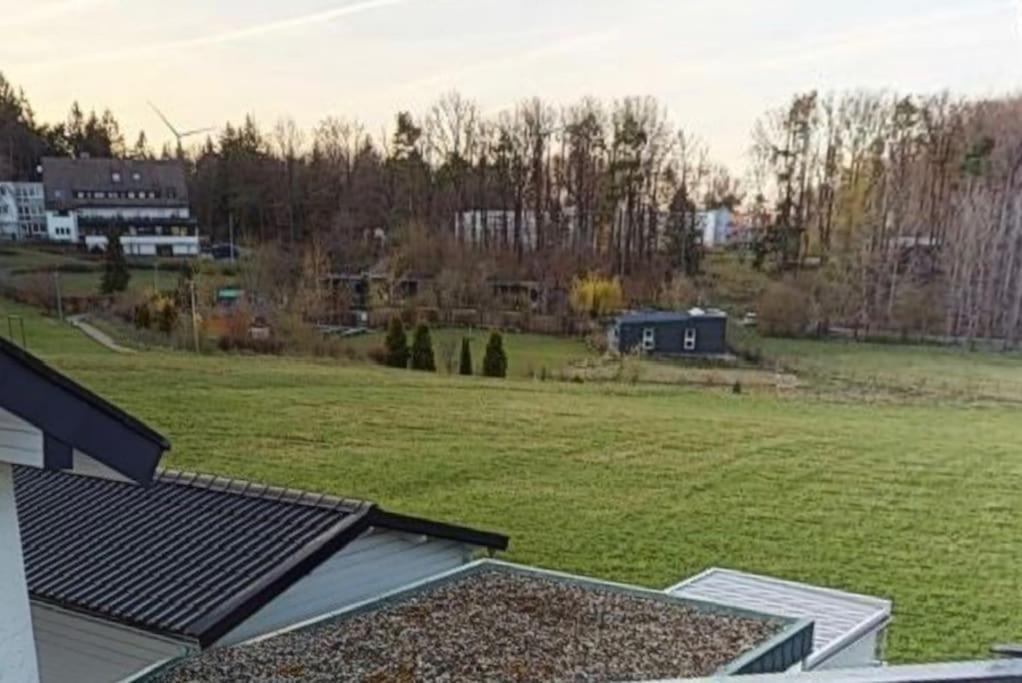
596, 296
143, 316
495, 360
378, 355
397, 344
422, 350
783, 310
166, 314
115, 267
465, 363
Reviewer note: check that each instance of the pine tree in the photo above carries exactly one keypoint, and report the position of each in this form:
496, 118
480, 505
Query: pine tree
422, 350
115, 267
397, 344
495, 361
465, 365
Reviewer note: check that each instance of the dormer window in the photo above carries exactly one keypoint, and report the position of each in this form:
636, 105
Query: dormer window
136, 176
115, 177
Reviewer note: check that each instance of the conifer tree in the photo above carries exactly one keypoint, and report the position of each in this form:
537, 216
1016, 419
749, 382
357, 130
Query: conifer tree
396, 344
465, 365
495, 361
115, 267
422, 350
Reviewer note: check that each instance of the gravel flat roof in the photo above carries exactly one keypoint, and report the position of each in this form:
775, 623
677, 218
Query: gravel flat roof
496, 626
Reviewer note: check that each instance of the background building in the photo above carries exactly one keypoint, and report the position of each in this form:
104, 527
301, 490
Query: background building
145, 202
22, 215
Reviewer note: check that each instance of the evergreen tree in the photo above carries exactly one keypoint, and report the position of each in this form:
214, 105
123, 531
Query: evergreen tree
422, 350
115, 267
495, 361
397, 344
465, 365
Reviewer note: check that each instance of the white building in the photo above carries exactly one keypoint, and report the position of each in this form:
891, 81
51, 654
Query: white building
145, 202
716, 226
22, 215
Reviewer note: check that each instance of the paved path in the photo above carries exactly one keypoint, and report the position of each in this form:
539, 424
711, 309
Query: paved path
97, 335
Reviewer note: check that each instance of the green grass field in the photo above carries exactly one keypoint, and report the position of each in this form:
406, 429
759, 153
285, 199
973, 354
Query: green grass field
915, 497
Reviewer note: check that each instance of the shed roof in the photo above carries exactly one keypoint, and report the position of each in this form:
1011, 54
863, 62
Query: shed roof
193, 555
72, 417
840, 618
650, 317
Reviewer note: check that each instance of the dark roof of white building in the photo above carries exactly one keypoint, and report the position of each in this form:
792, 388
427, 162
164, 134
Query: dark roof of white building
64, 177
192, 555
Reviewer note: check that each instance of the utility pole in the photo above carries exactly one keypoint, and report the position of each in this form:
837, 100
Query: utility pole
60, 304
195, 324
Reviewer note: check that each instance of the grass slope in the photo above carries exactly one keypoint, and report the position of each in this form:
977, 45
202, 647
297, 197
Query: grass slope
916, 500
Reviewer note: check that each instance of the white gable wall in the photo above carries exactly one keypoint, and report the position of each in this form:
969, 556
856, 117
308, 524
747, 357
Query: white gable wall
377, 562
75, 647
21, 443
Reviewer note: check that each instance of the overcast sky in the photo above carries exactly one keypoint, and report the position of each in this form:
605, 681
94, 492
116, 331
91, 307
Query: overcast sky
716, 64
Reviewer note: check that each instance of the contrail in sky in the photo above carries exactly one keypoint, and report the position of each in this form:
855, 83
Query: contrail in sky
229, 36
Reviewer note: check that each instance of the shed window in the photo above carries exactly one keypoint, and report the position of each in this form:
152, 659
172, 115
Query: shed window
648, 338
690, 339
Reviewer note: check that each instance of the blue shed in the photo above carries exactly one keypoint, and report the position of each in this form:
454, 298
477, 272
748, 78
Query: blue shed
686, 333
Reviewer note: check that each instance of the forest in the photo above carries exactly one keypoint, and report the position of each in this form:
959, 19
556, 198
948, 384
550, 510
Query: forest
866, 210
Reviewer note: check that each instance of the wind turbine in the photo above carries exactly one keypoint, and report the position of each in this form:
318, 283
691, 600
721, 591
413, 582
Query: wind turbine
178, 136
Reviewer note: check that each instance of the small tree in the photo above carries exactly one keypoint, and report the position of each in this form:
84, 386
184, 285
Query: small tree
115, 267
495, 360
397, 344
596, 296
422, 350
465, 366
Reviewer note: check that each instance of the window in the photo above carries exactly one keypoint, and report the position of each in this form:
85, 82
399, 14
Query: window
131, 195
136, 176
648, 339
690, 339
115, 177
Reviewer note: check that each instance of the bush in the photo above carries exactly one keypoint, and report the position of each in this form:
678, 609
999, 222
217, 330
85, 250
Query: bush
495, 360
142, 316
263, 346
166, 314
783, 311
397, 344
596, 296
378, 355
465, 363
422, 350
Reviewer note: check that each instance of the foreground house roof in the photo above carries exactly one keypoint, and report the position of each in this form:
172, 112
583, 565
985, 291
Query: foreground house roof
192, 555
71, 419
492, 620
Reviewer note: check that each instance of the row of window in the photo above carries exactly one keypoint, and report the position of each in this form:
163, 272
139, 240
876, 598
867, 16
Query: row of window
62, 232
143, 231
119, 194
649, 339
28, 191
115, 176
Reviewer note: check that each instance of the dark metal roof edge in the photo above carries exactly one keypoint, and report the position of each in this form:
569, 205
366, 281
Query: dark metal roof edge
417, 525
217, 623
251, 489
37, 366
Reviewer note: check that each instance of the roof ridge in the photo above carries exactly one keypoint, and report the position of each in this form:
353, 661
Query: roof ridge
260, 490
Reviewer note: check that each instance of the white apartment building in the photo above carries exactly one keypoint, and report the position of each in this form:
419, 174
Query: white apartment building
143, 201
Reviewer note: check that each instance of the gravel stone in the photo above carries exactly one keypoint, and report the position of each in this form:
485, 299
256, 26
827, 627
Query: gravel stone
494, 626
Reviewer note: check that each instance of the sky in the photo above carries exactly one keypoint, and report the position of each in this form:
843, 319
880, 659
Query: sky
716, 64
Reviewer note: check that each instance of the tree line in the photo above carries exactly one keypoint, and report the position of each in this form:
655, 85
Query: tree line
890, 210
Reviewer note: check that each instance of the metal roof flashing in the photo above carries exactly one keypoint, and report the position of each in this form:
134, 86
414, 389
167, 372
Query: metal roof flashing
841, 618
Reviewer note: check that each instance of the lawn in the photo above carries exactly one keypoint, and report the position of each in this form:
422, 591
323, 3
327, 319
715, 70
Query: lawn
528, 354
915, 498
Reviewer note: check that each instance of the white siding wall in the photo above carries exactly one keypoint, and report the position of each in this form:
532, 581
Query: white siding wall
74, 648
376, 563
21, 443
17, 651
